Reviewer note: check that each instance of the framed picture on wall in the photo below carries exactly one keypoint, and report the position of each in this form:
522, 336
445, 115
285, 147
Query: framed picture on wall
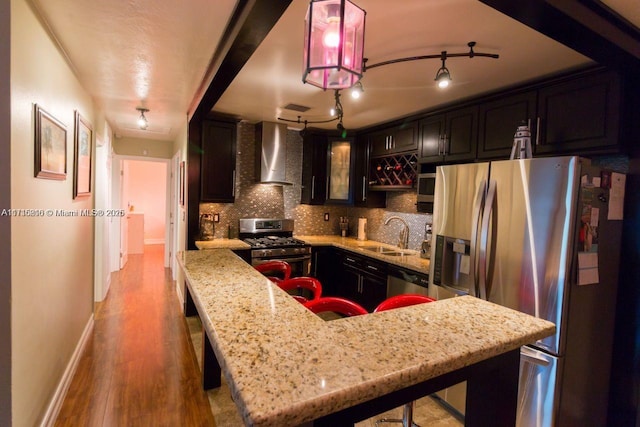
182, 183
82, 157
50, 146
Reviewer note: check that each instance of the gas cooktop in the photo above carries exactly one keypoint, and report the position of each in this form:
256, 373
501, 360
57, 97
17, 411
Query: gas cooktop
273, 242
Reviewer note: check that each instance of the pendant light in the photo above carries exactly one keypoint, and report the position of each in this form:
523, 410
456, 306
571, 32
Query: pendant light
333, 44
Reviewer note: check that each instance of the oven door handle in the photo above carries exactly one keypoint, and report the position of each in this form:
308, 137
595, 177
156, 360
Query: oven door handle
304, 258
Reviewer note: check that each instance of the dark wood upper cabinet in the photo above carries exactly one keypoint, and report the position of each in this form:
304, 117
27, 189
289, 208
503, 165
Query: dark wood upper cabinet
449, 137
395, 139
580, 115
322, 182
218, 162
314, 168
341, 154
498, 121
362, 196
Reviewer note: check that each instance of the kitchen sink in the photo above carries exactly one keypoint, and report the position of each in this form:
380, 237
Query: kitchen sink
380, 249
383, 250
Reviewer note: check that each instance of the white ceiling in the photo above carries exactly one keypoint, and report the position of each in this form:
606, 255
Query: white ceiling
629, 9
272, 76
142, 53
155, 54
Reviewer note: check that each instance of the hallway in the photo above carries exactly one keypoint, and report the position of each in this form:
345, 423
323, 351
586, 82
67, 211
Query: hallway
138, 368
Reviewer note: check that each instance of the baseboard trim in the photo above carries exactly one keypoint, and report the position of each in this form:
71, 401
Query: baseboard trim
61, 391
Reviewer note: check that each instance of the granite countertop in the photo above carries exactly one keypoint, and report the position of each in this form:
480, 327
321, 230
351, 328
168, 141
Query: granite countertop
411, 260
286, 366
233, 244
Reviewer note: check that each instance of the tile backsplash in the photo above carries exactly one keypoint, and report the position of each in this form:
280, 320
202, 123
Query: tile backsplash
254, 200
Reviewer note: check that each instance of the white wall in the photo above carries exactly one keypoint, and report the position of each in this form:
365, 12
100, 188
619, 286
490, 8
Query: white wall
51, 257
142, 147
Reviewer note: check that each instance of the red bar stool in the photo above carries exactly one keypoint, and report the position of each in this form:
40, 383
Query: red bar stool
338, 305
403, 300
306, 285
275, 270
389, 304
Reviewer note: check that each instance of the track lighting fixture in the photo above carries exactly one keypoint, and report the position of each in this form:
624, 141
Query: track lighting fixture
142, 120
443, 77
334, 48
336, 113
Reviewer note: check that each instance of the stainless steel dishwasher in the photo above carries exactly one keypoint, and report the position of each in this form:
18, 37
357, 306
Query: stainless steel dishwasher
404, 281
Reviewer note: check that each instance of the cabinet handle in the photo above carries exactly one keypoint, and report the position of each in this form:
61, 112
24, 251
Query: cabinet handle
538, 130
326, 187
313, 187
392, 142
444, 144
233, 184
364, 188
371, 267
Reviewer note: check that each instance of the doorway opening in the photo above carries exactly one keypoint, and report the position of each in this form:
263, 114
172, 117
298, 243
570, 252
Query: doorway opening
141, 188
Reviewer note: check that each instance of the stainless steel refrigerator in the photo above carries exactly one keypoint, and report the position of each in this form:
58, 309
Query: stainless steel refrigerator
534, 235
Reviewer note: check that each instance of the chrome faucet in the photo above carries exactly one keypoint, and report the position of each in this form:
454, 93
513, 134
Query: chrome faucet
403, 237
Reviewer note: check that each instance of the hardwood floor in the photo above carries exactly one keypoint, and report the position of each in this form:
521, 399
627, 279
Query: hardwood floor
139, 368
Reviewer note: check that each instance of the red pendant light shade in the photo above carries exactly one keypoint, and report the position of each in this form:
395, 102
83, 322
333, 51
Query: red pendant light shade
333, 44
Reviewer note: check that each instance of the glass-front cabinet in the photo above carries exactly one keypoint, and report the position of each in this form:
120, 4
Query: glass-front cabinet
340, 161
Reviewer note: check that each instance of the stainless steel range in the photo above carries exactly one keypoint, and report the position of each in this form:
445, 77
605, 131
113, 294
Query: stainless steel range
272, 239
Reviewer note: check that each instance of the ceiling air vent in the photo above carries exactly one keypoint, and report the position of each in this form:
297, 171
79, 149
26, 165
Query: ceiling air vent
296, 107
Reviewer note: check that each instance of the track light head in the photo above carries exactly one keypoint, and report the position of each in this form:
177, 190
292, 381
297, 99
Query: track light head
443, 77
357, 90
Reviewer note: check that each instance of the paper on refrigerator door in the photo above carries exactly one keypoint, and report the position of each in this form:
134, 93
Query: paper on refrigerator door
465, 264
616, 196
588, 268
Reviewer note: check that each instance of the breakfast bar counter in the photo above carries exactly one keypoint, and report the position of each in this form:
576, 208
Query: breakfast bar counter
285, 366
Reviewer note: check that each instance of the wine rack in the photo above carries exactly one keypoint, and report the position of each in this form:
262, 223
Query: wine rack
396, 172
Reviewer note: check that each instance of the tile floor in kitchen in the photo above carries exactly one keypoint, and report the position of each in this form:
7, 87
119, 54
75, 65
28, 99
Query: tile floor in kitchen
427, 412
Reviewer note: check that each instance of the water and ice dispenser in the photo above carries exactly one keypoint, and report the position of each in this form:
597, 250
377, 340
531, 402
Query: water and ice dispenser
452, 267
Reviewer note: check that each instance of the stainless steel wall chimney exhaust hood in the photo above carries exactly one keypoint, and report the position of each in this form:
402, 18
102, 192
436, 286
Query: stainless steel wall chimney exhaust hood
271, 153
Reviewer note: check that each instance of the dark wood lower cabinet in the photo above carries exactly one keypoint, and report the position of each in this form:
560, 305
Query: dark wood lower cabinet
363, 281
344, 274
324, 260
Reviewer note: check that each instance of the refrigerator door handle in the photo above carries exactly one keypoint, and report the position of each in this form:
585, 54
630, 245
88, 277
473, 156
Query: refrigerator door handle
484, 240
477, 212
457, 291
531, 356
